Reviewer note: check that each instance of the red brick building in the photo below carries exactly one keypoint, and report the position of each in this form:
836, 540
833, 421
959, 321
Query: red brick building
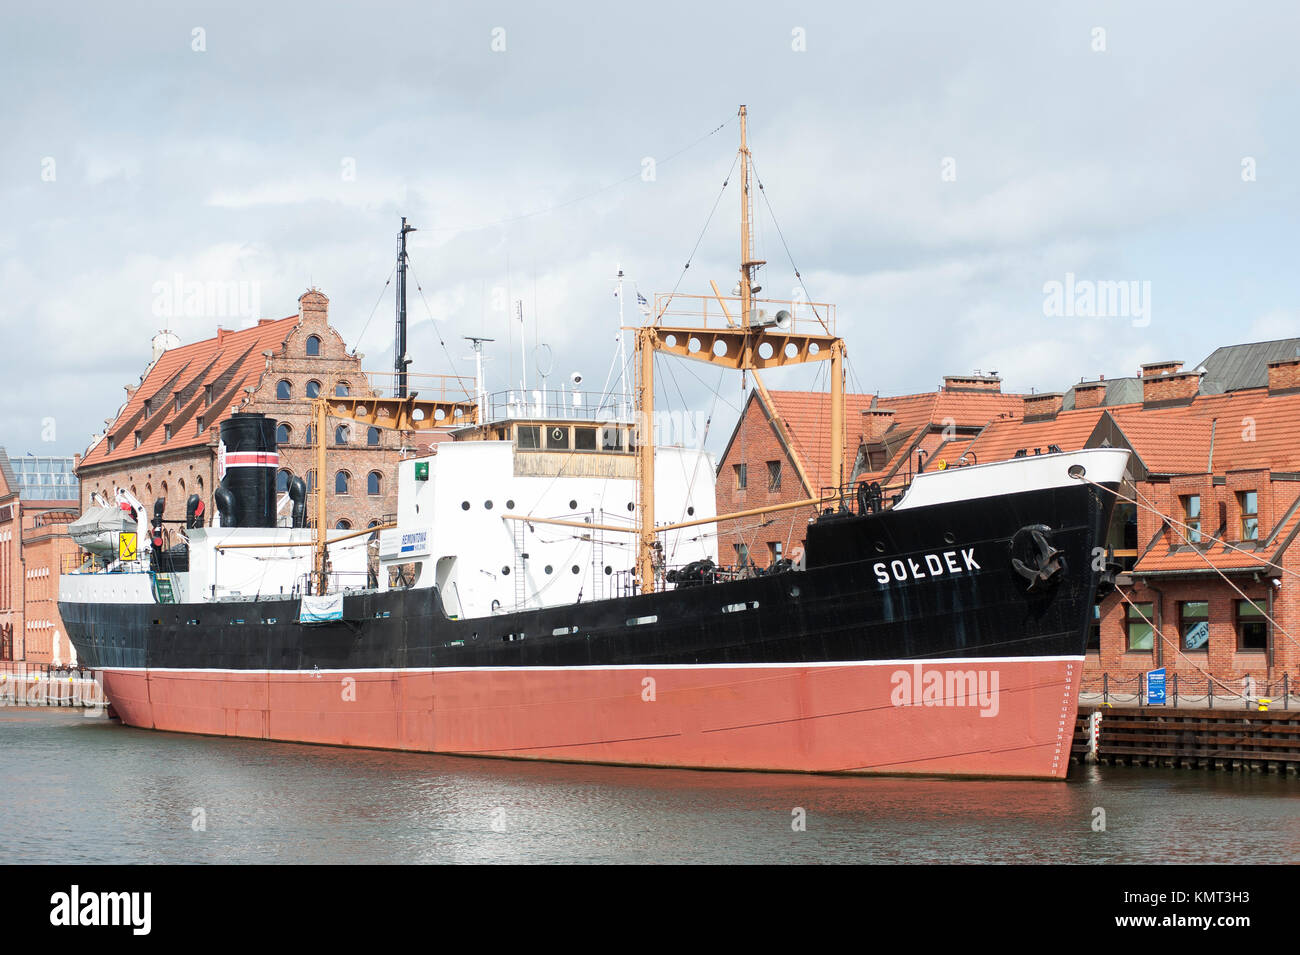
38, 499
163, 441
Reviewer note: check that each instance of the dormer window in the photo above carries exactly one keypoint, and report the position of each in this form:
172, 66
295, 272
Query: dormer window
207, 394
148, 407
199, 423
167, 432
111, 444
139, 440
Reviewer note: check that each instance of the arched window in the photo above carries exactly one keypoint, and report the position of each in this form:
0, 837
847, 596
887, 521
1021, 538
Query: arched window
341, 390
375, 535
282, 480
343, 524
313, 389
308, 438
313, 346
311, 480
341, 434
283, 433
283, 390
372, 437
374, 482
341, 482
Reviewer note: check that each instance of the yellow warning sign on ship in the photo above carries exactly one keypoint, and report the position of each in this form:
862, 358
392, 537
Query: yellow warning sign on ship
126, 546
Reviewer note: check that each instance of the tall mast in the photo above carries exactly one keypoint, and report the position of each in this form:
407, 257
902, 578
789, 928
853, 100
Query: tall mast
400, 361
622, 354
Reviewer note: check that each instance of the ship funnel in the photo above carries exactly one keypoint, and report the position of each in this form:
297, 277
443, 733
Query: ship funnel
248, 465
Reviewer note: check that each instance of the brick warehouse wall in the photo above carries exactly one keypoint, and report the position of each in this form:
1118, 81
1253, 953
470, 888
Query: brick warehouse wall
754, 445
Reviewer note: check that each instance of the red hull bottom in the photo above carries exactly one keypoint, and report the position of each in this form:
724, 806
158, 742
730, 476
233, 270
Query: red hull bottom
978, 717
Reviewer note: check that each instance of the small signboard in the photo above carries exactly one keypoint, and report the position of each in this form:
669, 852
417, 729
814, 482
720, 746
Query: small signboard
1156, 687
126, 546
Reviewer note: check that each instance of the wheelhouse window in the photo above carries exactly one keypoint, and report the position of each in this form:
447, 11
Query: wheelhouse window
1248, 501
1192, 517
528, 437
742, 476
774, 475
557, 438
611, 439
1139, 627
1194, 624
584, 439
1252, 625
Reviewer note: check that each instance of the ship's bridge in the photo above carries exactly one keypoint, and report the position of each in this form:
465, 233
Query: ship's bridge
543, 423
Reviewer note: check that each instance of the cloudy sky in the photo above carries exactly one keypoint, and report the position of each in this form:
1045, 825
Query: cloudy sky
932, 168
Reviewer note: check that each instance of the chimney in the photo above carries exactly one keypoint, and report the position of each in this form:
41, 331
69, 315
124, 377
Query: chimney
982, 383
1043, 406
313, 306
221, 335
1164, 383
1284, 376
1089, 394
877, 422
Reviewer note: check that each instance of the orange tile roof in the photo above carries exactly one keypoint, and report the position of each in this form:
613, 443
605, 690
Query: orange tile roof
807, 416
227, 362
1003, 438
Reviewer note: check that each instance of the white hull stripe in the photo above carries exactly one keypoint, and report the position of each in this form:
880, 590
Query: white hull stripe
923, 661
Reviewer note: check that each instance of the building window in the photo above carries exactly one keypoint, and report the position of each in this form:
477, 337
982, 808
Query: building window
774, 551
207, 395
1194, 624
341, 434
372, 437
199, 425
313, 389
1192, 517
111, 444
167, 432
283, 433
341, 390
1248, 501
283, 390
1252, 626
148, 407
774, 475
374, 482
742, 555
313, 346
1094, 629
282, 481
742, 476
311, 480
1138, 626
341, 482
308, 434
138, 439
343, 524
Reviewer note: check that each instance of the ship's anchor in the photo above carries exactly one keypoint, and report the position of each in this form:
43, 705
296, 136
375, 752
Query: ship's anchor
1043, 566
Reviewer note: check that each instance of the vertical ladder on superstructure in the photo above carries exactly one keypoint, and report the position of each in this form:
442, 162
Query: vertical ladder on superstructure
519, 528
597, 557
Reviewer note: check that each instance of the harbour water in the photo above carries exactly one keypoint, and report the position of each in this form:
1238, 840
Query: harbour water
78, 789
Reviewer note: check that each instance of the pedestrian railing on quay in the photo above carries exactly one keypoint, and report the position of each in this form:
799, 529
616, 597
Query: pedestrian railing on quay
41, 684
1249, 693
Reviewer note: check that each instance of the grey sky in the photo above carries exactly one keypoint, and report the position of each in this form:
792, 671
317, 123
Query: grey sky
227, 165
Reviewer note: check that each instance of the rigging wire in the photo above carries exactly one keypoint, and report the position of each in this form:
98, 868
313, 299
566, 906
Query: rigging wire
698, 240
375, 309
763, 192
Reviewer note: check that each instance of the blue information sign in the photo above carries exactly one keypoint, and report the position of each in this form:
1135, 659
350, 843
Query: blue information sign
1156, 687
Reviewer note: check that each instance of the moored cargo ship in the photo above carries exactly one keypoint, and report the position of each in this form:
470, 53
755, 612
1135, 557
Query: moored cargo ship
529, 600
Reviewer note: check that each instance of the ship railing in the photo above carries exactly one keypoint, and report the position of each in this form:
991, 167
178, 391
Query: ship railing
558, 404
860, 498
713, 312
427, 386
1183, 690
338, 580
83, 563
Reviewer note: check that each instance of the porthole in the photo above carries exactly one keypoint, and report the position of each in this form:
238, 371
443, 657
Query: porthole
948, 538
550, 569
880, 547
464, 505
690, 511
794, 591
510, 505
631, 506
608, 570
573, 505
505, 571
576, 569
487, 505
